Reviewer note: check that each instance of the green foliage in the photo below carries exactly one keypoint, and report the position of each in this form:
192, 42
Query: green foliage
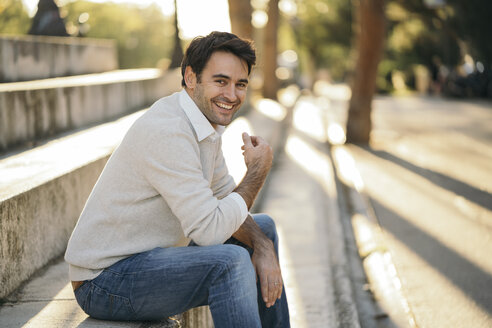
323, 29
144, 35
417, 34
13, 17
472, 23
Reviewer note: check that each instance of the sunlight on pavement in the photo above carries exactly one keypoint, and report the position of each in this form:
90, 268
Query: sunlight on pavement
432, 209
365, 232
314, 162
292, 292
463, 306
336, 134
54, 312
309, 118
438, 248
271, 109
332, 91
121, 76
36, 166
288, 96
231, 145
349, 173
380, 265
303, 202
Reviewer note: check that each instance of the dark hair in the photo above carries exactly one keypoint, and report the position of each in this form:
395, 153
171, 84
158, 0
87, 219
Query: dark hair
202, 47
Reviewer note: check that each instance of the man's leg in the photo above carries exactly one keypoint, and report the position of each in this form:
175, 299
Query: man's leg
167, 281
276, 316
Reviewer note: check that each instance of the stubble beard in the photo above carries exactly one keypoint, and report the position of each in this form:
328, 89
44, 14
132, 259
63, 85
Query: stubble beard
206, 106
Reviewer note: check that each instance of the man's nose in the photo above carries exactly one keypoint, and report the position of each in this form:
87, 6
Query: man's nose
230, 93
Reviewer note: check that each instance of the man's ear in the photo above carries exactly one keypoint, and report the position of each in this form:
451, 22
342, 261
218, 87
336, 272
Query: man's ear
190, 78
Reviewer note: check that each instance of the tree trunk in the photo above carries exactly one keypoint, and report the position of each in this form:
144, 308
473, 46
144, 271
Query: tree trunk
370, 42
177, 55
240, 12
270, 81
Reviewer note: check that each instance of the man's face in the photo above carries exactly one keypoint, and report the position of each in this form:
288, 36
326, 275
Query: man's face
221, 89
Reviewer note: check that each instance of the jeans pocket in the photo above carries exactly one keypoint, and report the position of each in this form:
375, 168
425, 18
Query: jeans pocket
101, 304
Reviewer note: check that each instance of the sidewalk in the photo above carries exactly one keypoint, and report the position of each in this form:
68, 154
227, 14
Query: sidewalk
302, 198
300, 194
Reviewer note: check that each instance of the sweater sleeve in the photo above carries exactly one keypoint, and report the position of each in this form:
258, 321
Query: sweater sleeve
222, 183
171, 163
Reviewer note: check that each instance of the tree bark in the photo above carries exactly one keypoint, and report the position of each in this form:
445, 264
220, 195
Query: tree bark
177, 55
240, 12
270, 81
370, 42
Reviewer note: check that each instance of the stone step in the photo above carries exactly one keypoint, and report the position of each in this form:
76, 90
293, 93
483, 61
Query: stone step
48, 301
43, 191
33, 110
26, 57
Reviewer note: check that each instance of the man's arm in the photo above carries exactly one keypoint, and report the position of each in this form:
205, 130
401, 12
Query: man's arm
258, 157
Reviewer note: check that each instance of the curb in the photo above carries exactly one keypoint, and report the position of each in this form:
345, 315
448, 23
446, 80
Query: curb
391, 309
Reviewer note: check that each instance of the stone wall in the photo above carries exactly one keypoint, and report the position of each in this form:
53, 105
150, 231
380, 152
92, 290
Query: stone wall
32, 111
27, 57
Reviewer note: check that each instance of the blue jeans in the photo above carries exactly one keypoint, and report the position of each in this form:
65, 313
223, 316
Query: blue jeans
166, 281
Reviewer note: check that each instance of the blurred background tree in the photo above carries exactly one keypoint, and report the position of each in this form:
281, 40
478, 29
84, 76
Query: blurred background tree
177, 55
270, 51
437, 45
144, 36
13, 17
439, 38
323, 32
240, 12
370, 40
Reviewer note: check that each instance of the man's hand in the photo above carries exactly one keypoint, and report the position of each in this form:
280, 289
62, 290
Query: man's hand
264, 259
257, 153
258, 156
267, 268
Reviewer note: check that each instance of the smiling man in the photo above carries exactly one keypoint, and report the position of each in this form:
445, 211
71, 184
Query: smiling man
165, 228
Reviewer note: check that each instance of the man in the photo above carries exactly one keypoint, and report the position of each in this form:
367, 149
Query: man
130, 254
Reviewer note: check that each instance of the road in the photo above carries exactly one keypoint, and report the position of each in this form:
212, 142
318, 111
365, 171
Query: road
428, 175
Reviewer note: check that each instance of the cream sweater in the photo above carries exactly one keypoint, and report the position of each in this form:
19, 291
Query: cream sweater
165, 183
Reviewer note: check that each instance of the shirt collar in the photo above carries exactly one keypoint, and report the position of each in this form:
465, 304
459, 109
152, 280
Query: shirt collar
200, 123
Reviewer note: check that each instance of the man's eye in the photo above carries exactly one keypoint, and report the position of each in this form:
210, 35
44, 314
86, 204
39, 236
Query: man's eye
221, 82
242, 85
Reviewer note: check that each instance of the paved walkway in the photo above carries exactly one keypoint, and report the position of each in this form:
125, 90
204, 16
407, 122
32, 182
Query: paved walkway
300, 194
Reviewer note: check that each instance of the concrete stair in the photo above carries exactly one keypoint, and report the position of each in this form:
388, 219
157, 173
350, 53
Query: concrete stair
33, 110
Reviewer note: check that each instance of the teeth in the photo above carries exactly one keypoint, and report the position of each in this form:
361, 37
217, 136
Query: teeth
224, 105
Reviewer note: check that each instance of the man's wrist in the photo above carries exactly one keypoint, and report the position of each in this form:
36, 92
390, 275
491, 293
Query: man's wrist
250, 186
262, 244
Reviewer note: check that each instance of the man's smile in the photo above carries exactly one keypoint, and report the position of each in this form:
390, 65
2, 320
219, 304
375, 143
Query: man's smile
224, 106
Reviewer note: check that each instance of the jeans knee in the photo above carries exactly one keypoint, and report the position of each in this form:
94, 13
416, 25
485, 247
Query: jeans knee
236, 260
267, 225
